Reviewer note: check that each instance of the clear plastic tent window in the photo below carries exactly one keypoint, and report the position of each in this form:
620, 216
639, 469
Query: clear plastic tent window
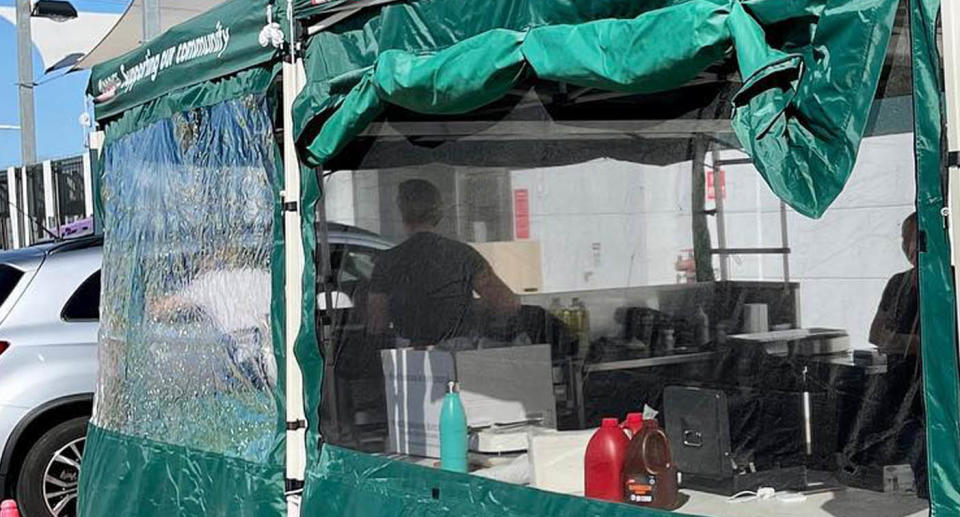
570, 261
186, 354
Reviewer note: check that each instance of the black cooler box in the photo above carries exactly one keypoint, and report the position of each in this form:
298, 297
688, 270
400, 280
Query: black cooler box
763, 447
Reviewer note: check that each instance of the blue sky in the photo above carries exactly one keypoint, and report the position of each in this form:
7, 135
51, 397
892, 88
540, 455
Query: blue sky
59, 98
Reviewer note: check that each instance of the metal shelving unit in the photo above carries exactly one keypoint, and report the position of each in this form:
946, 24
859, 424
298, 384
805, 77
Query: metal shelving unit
722, 250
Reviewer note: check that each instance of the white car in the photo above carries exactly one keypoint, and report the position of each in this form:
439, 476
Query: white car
49, 321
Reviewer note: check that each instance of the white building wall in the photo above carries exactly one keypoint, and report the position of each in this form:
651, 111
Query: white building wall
338, 189
607, 223
843, 260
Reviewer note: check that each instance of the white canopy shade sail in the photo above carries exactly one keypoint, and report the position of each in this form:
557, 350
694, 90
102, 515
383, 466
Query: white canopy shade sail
127, 33
55, 41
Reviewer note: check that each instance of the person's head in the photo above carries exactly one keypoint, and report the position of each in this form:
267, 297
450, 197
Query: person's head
421, 206
908, 231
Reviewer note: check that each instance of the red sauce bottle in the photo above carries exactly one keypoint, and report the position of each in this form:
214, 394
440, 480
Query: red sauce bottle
633, 424
603, 462
649, 476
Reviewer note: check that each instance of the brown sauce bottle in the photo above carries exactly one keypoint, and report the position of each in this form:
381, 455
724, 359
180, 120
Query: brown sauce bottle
649, 474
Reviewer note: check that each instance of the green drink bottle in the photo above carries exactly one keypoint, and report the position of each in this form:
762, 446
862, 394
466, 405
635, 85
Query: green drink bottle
453, 431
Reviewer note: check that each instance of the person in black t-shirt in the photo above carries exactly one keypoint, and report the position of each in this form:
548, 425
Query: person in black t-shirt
896, 429
425, 286
896, 328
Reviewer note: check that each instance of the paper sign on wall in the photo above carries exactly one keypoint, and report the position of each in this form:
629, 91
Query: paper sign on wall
716, 180
521, 213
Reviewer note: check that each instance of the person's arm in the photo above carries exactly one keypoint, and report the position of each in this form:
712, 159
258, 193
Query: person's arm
378, 303
378, 319
890, 341
886, 338
494, 292
879, 334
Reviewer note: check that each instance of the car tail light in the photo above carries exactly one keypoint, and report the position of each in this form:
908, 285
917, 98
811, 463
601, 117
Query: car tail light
4, 345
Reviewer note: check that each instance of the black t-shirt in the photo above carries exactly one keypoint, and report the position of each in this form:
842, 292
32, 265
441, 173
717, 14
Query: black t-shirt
900, 302
428, 280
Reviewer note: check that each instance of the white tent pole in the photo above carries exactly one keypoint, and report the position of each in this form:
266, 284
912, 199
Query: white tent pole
87, 164
950, 19
95, 151
25, 207
13, 208
49, 199
293, 267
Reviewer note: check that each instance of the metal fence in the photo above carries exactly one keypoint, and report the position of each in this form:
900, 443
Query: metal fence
45, 201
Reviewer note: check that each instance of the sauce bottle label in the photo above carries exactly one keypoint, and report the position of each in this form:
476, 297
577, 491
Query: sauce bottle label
640, 489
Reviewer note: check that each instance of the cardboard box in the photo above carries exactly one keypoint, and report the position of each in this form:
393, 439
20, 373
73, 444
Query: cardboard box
517, 263
497, 386
556, 460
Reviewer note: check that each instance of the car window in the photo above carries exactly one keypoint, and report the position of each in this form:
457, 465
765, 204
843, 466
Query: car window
353, 266
9, 276
84, 304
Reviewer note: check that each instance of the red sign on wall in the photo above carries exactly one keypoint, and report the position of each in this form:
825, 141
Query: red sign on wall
716, 180
521, 213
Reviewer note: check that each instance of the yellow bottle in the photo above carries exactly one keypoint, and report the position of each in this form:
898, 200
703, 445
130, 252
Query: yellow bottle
581, 317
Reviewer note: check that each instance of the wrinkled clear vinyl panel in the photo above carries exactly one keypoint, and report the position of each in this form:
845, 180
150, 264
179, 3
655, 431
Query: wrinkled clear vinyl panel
569, 256
186, 348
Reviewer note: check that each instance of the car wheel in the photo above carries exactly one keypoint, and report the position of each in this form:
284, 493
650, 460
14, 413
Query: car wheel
47, 485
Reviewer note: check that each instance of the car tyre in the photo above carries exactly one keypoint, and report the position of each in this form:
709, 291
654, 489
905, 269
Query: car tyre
48, 481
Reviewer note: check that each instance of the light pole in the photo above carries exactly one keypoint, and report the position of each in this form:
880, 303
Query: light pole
151, 19
54, 10
28, 136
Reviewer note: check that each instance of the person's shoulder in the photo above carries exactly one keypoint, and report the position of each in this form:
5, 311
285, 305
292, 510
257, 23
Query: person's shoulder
388, 256
904, 276
447, 241
390, 252
896, 277
434, 243
899, 280
420, 240
458, 246
399, 253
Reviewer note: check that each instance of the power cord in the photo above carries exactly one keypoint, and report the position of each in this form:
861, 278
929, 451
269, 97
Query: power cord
762, 493
766, 494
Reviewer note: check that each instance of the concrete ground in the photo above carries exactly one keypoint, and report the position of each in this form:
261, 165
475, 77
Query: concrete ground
843, 503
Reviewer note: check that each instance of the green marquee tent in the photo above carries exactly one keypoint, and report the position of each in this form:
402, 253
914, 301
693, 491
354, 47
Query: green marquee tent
214, 132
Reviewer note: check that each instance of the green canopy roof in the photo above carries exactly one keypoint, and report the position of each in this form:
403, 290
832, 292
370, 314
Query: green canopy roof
799, 115
215, 44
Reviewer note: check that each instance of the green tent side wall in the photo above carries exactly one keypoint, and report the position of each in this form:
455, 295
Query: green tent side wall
937, 290
352, 483
123, 475
142, 470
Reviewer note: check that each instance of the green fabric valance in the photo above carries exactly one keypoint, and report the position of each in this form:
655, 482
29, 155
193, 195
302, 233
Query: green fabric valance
800, 113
